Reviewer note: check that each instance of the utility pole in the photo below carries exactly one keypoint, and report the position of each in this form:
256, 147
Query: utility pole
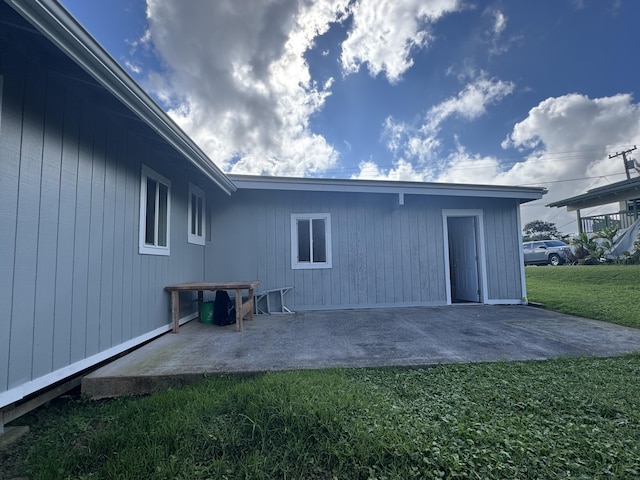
624, 159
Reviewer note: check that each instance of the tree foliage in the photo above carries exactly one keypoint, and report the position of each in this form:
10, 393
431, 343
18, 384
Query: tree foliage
540, 230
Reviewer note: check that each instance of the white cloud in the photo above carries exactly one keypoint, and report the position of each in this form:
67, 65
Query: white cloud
500, 22
385, 32
421, 143
571, 137
402, 170
471, 102
568, 139
238, 82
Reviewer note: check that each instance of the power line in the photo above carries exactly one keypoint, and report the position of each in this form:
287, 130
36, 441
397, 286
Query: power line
543, 158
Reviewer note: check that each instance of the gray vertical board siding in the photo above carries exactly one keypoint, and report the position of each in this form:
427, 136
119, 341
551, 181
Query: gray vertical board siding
136, 271
44, 319
66, 237
382, 254
130, 185
108, 318
12, 68
339, 246
387, 246
81, 237
117, 149
282, 234
503, 260
513, 246
269, 238
74, 283
378, 285
24, 294
424, 258
96, 244
396, 253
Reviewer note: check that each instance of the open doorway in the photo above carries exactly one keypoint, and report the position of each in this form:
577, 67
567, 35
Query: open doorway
464, 266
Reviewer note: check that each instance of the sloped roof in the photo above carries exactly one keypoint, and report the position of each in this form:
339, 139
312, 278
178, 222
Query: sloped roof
523, 194
56, 24
615, 192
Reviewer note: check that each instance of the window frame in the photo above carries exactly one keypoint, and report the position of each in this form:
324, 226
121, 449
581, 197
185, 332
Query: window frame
295, 263
144, 247
195, 238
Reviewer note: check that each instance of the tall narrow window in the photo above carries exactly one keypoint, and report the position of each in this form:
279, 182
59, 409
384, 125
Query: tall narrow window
155, 206
197, 219
311, 241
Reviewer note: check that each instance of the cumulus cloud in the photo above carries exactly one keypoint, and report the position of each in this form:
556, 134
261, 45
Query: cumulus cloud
234, 74
471, 102
564, 144
385, 32
572, 134
422, 142
500, 22
235, 77
238, 83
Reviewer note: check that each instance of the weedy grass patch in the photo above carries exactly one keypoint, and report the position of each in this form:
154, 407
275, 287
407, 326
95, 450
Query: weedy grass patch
603, 292
571, 418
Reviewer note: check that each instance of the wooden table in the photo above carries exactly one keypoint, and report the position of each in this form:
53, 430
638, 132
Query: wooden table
242, 308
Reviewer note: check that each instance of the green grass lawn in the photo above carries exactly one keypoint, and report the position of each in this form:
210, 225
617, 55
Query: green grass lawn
575, 418
568, 418
603, 292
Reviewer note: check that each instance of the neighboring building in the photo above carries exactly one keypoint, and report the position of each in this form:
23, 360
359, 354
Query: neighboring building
104, 201
625, 193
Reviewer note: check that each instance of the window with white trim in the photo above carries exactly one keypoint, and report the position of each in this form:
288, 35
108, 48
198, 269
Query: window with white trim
155, 213
310, 240
197, 222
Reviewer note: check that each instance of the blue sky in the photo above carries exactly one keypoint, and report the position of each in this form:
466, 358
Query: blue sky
490, 92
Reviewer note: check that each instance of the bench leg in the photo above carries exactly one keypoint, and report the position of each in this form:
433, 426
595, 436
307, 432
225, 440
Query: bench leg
250, 302
200, 302
239, 313
175, 311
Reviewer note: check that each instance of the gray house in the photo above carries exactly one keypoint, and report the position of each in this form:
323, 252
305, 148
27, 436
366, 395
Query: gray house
98, 190
104, 201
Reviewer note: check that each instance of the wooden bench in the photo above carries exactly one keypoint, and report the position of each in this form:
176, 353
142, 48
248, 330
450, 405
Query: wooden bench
242, 308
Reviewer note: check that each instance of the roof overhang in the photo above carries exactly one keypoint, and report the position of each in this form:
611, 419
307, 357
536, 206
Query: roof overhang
616, 192
522, 194
56, 24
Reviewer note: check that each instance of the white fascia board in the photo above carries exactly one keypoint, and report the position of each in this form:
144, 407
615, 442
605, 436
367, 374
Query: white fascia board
55, 23
250, 182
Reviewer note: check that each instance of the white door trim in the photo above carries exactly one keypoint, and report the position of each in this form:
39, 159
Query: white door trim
482, 258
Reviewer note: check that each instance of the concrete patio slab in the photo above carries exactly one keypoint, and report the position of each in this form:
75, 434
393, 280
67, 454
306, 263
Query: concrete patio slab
409, 336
